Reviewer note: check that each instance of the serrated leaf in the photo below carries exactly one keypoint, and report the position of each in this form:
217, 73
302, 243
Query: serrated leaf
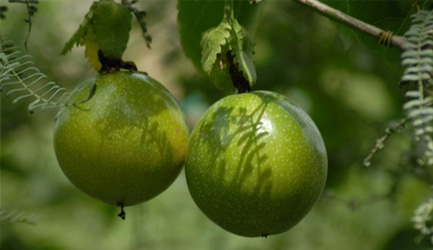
246, 65
221, 77
80, 33
111, 25
229, 36
91, 51
195, 17
140, 16
243, 50
212, 42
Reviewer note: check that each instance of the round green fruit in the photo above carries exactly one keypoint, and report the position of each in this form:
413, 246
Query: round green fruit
256, 163
121, 138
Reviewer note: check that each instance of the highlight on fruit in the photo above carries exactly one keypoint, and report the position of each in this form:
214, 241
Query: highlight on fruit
256, 163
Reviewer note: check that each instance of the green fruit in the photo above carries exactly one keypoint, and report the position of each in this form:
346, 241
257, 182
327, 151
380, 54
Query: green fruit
122, 138
256, 163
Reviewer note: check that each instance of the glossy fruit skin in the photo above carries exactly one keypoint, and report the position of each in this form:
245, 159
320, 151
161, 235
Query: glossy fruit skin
256, 163
121, 138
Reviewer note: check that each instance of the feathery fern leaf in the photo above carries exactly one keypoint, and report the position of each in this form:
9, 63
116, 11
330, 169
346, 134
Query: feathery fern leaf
418, 60
15, 216
18, 73
422, 219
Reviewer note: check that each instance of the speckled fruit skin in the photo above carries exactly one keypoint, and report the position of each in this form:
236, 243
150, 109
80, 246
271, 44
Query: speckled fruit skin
256, 163
123, 141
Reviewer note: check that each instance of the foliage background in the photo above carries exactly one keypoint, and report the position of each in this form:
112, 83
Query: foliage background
350, 91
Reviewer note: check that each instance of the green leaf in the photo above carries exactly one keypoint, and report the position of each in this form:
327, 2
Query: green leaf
243, 50
197, 16
91, 51
105, 27
237, 68
221, 77
79, 35
226, 49
212, 42
232, 36
111, 24
140, 16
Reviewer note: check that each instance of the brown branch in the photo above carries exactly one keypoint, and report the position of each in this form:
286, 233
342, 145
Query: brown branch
336, 15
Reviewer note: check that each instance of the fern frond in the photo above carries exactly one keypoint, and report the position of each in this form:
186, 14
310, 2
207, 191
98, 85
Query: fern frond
422, 219
418, 60
16, 216
18, 73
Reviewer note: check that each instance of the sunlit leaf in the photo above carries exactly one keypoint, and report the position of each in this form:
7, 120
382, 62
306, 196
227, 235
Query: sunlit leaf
111, 24
195, 17
91, 51
243, 50
212, 43
79, 35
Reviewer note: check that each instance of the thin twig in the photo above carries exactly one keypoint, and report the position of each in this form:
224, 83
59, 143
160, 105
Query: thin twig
396, 41
380, 143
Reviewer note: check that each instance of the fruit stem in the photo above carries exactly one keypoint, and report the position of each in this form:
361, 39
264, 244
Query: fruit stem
122, 213
112, 65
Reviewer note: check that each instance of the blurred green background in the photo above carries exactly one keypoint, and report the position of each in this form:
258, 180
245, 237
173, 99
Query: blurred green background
351, 93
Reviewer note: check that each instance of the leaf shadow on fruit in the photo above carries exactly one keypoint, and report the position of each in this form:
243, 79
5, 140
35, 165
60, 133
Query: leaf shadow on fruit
130, 136
235, 137
249, 137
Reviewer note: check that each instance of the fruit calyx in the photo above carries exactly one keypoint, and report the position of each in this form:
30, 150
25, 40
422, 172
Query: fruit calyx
113, 65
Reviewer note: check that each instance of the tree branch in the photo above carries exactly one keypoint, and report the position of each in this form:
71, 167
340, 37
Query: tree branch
336, 15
